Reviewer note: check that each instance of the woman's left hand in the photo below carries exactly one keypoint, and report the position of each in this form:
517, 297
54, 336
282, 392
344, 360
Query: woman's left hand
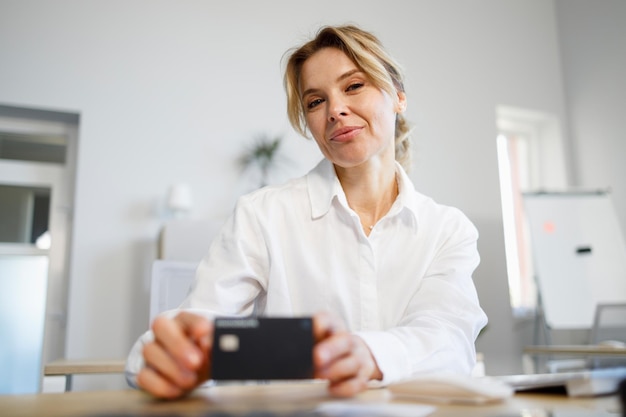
341, 357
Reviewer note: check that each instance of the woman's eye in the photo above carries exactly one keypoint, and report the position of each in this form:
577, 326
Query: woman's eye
314, 103
354, 86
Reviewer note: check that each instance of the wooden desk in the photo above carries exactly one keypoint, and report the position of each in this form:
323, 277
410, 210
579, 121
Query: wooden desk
70, 367
284, 398
577, 350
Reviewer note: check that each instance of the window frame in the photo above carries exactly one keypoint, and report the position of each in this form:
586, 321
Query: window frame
544, 169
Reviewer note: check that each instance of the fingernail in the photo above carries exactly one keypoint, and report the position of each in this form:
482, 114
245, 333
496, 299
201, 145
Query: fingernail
189, 378
322, 355
204, 343
194, 358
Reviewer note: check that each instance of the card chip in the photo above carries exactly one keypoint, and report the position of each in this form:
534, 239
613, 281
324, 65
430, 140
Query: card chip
229, 342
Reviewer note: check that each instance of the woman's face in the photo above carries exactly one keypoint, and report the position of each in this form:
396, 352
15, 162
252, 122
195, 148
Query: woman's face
351, 119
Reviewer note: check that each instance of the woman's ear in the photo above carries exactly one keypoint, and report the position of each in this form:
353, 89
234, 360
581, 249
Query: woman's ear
401, 105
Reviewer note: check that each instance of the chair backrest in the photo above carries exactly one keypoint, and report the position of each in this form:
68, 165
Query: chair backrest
23, 289
187, 240
171, 282
609, 323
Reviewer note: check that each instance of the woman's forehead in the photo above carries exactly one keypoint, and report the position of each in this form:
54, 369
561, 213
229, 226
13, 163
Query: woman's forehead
327, 64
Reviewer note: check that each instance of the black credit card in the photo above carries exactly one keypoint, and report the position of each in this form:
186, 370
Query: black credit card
264, 348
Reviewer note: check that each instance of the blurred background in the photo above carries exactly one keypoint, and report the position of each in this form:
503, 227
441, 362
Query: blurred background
106, 105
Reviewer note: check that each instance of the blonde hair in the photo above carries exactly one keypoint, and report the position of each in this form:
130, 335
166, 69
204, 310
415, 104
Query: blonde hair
368, 54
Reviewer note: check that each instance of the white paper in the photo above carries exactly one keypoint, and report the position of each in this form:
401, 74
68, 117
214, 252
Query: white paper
354, 409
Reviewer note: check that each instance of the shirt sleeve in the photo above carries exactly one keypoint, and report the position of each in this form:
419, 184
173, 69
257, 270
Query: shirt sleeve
439, 328
134, 361
227, 280
233, 275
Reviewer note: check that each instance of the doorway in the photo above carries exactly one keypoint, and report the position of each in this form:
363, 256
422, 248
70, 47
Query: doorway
37, 177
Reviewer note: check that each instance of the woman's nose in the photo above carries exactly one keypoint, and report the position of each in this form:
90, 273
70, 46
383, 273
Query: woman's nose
336, 109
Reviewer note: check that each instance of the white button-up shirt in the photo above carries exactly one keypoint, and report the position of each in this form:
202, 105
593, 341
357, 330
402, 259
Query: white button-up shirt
298, 248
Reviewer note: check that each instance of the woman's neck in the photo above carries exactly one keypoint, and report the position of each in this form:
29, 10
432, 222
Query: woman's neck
370, 191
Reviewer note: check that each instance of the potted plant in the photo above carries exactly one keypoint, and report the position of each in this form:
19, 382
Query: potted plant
262, 155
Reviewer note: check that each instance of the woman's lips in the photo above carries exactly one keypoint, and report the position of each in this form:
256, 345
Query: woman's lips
345, 133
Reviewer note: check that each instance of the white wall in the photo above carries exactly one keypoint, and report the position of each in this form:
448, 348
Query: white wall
593, 49
173, 90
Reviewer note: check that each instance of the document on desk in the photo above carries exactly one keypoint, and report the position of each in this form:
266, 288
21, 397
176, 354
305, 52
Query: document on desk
452, 388
427, 388
374, 402
354, 409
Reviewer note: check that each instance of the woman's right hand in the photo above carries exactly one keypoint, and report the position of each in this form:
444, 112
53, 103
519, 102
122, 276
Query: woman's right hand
178, 360
341, 357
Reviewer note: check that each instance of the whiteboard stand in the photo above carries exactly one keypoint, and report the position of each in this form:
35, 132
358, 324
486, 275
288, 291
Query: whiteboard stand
579, 255
541, 325
542, 335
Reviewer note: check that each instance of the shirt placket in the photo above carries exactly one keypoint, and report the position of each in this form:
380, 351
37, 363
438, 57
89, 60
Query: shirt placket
368, 289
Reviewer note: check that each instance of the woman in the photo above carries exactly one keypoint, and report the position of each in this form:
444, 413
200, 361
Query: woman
385, 271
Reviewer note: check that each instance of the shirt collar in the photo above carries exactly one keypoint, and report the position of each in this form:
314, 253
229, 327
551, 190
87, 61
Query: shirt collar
324, 186
407, 201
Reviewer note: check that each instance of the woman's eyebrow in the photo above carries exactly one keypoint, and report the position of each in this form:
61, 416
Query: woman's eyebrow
348, 74
340, 78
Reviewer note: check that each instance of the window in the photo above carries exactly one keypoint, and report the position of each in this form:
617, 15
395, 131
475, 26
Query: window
530, 158
514, 172
33, 147
24, 214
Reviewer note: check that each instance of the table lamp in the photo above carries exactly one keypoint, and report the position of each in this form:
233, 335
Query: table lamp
179, 200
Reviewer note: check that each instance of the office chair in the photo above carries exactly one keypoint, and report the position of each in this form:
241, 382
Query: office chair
171, 282
609, 328
609, 323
